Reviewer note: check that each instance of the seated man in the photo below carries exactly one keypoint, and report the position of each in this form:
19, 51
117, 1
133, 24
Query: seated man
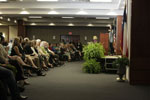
8, 78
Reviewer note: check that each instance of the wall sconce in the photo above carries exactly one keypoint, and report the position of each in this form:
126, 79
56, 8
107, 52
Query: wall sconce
54, 37
85, 38
4, 35
33, 37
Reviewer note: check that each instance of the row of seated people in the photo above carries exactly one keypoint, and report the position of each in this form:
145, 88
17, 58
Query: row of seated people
33, 56
11, 71
67, 51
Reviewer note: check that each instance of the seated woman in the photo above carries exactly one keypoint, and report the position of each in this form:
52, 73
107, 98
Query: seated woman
77, 53
50, 59
8, 61
17, 50
7, 77
29, 52
64, 54
54, 57
36, 53
42, 54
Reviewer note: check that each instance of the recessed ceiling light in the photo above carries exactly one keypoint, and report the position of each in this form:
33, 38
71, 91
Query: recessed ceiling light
24, 12
51, 24
8, 19
1, 24
100, 0
1, 17
112, 13
0, 12
3, 0
70, 24
102, 18
82, 12
21, 0
15, 21
90, 25
33, 24
67, 17
25, 19
35, 16
52, 12
47, 0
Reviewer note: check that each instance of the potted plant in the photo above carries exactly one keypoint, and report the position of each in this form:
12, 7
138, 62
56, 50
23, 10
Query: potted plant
121, 64
91, 66
92, 52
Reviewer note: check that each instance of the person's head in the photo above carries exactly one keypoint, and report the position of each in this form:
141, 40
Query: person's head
2, 39
38, 42
21, 39
16, 42
26, 39
33, 43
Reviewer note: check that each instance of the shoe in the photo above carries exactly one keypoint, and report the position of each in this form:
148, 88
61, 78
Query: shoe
21, 89
21, 97
24, 78
26, 83
39, 73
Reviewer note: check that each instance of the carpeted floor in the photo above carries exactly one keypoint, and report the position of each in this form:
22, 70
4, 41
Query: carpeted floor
70, 83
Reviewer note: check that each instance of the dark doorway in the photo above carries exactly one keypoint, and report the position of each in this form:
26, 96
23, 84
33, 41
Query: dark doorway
70, 38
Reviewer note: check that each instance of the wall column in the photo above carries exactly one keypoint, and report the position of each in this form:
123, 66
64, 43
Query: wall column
140, 41
21, 28
118, 35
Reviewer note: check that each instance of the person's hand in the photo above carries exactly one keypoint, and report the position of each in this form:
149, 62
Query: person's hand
6, 62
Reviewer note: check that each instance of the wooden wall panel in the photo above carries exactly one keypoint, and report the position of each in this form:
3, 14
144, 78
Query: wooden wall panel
104, 39
140, 40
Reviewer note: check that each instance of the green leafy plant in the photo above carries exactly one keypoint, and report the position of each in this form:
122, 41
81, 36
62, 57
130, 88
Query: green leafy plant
91, 66
120, 62
93, 51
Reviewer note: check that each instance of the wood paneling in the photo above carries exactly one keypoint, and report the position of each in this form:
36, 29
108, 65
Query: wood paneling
140, 39
104, 39
119, 35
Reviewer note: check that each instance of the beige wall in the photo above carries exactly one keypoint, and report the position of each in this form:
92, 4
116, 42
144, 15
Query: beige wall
47, 32
5, 31
13, 32
9, 31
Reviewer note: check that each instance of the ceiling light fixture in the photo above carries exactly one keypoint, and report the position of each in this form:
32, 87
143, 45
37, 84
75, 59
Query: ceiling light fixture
67, 17
20, 0
1, 17
70, 24
102, 18
52, 12
15, 21
2, 0
35, 16
112, 13
8, 19
82, 12
47, 0
0, 12
90, 25
24, 12
33, 24
51, 24
100, 0
1, 24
